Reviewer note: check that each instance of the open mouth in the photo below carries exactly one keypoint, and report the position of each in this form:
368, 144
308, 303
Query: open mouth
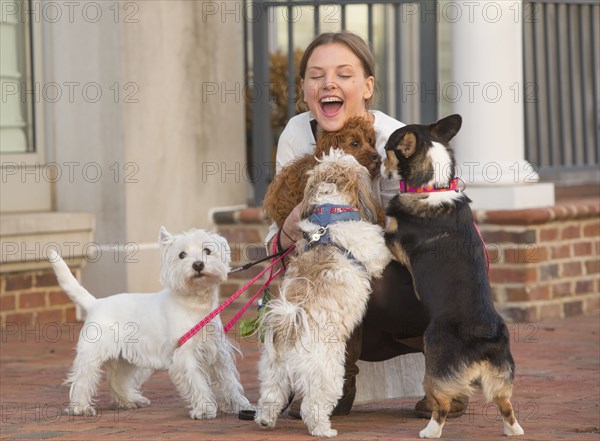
331, 105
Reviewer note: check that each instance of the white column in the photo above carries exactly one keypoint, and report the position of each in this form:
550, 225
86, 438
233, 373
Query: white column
154, 133
487, 78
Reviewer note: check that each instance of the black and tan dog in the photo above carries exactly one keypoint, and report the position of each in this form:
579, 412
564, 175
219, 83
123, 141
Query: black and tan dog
432, 232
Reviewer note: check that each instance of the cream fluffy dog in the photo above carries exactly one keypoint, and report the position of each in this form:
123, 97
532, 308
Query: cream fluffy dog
131, 335
324, 294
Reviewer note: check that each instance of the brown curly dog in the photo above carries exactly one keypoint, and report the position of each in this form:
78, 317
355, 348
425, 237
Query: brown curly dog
286, 190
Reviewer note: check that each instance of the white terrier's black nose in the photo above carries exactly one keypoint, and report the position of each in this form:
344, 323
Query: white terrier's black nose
198, 266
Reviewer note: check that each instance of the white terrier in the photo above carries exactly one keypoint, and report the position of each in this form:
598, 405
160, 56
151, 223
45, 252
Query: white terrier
131, 335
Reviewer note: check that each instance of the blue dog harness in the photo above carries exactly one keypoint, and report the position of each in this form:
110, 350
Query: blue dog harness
323, 216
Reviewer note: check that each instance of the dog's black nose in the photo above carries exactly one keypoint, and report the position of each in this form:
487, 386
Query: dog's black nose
374, 156
198, 266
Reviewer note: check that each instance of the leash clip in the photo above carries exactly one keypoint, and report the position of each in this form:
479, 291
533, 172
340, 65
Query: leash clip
317, 235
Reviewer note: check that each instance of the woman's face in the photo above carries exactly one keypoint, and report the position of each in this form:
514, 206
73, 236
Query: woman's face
335, 87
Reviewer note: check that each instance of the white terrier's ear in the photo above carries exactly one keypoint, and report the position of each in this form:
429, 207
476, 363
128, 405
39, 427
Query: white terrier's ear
164, 237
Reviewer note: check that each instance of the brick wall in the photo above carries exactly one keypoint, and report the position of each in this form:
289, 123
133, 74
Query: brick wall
545, 263
33, 297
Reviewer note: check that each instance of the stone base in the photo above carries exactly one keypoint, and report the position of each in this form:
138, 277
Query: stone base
395, 378
510, 197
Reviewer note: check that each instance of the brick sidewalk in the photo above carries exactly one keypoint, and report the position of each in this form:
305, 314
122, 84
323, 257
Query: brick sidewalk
557, 395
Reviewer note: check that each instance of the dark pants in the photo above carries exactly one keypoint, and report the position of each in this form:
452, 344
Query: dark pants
395, 320
393, 325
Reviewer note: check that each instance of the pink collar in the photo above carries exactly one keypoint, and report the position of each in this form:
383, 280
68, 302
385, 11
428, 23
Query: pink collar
454, 186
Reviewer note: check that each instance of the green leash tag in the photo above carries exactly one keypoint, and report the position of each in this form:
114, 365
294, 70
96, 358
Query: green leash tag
248, 327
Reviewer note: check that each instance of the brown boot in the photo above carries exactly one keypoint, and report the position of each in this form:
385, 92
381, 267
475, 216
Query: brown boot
344, 405
424, 407
294, 410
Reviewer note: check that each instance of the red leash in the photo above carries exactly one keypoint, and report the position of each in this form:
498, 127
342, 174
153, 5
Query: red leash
227, 302
236, 317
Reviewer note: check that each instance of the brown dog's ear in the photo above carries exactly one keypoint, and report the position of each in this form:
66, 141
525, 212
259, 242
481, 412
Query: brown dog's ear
446, 128
367, 200
306, 208
325, 141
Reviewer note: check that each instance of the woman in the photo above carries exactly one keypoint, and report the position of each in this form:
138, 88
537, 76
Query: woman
337, 73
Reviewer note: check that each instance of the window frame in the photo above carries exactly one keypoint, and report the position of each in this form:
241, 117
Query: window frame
26, 184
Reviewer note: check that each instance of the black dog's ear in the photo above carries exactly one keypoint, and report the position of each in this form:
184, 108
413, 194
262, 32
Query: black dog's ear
406, 142
403, 141
446, 128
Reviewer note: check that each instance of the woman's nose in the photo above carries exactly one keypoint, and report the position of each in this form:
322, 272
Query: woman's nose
329, 84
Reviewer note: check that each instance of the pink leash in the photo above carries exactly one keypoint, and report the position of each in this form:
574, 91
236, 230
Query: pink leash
236, 317
227, 302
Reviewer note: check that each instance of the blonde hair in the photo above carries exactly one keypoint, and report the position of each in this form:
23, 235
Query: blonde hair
356, 44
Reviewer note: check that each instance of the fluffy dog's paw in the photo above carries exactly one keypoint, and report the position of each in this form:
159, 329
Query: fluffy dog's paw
264, 423
203, 414
247, 406
134, 404
237, 407
325, 432
79, 410
266, 414
142, 402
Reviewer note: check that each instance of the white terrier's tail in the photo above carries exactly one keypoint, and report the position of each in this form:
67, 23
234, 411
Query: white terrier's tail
69, 283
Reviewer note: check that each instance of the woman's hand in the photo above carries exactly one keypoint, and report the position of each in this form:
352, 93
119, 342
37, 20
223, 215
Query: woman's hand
290, 231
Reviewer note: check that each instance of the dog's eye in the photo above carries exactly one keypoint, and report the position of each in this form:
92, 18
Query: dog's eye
355, 144
182, 255
207, 251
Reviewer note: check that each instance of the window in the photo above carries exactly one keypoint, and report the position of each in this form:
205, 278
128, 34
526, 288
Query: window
23, 184
16, 117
